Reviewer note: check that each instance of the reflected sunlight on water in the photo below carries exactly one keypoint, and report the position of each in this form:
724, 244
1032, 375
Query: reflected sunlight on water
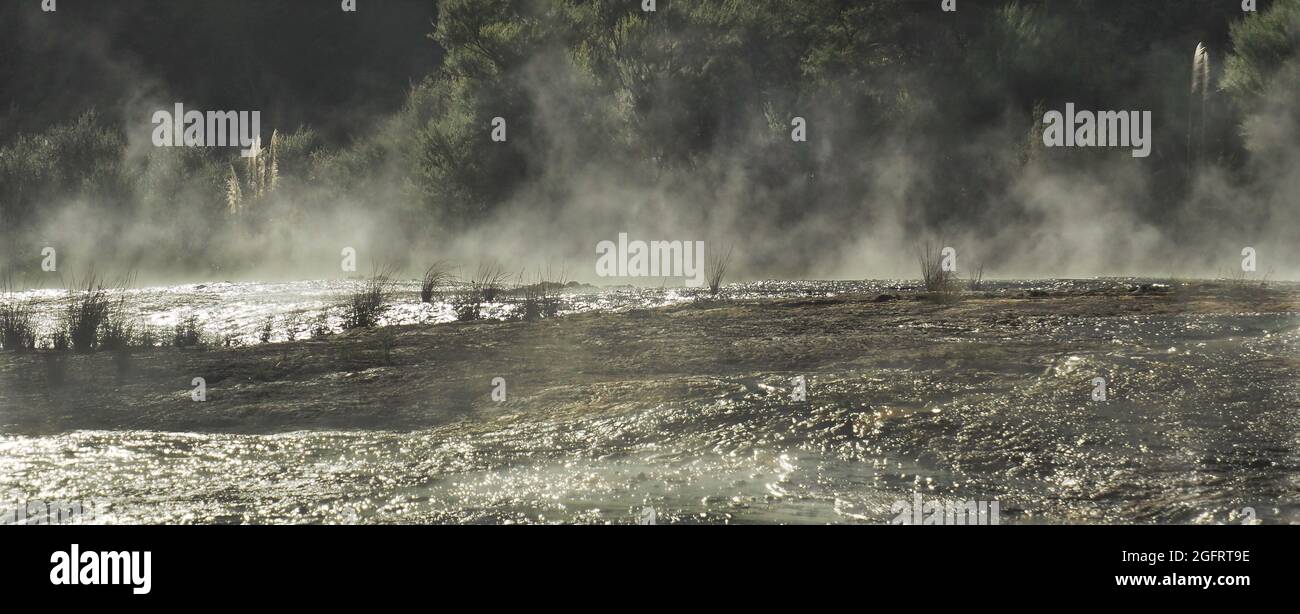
1177, 447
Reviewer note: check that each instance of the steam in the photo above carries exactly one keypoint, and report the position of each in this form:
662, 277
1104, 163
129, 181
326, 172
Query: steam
1068, 214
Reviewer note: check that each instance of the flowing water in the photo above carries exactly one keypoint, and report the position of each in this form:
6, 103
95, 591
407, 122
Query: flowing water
1204, 427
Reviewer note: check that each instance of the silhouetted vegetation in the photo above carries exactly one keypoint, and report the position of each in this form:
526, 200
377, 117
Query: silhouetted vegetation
716, 269
87, 311
482, 288
976, 281
940, 284
693, 95
367, 305
188, 332
434, 277
17, 330
541, 298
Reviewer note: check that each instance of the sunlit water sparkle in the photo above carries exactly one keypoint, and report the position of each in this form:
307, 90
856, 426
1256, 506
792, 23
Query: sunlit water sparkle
1172, 450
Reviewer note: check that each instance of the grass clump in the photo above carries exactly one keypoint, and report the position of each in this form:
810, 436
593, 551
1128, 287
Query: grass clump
187, 333
89, 309
436, 275
17, 327
94, 319
291, 326
484, 287
320, 328
268, 326
59, 340
542, 297
367, 305
716, 269
976, 281
1242, 285
940, 285
467, 305
147, 338
117, 333
17, 333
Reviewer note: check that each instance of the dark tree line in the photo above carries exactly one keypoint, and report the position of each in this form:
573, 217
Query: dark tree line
694, 94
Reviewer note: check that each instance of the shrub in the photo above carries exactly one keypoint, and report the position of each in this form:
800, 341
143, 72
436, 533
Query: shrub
320, 329
267, 327
291, 326
187, 333
466, 304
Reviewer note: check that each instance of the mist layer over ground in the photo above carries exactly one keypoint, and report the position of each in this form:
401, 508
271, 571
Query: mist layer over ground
191, 335
676, 124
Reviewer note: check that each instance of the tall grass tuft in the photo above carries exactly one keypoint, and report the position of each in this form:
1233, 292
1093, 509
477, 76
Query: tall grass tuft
87, 311
939, 284
94, 320
366, 306
260, 179
1241, 285
542, 297
436, 275
117, 333
17, 328
976, 280
483, 287
17, 332
716, 269
489, 280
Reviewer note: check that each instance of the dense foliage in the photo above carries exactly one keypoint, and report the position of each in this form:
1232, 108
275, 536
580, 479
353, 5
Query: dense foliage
694, 100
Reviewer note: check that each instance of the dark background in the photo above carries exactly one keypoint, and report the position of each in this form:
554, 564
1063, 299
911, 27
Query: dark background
923, 125
301, 62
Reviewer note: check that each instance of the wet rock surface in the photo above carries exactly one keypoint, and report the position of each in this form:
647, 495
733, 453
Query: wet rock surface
687, 407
